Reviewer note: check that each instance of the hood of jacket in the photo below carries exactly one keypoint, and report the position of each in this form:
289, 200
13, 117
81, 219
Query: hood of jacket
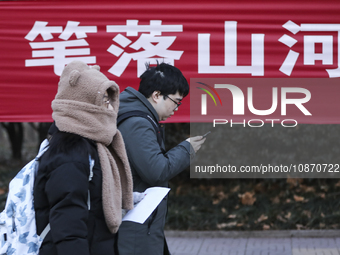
131, 100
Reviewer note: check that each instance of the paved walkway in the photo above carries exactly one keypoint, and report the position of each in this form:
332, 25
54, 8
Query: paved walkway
254, 243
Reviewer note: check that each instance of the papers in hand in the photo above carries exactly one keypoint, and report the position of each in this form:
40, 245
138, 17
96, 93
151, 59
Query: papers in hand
153, 197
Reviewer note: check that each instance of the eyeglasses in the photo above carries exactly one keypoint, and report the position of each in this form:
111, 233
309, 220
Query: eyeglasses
176, 103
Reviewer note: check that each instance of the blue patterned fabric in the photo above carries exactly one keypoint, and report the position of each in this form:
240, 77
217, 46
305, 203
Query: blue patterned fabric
18, 235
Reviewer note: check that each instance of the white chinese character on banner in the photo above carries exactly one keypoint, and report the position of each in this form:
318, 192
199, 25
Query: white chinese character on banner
154, 45
230, 53
55, 53
309, 41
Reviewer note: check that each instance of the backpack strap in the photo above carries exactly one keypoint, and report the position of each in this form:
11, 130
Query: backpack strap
90, 179
144, 115
45, 231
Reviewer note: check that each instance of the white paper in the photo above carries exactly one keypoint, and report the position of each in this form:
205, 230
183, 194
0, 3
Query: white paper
153, 197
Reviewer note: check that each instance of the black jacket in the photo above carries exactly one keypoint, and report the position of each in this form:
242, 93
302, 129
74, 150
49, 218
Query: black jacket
60, 198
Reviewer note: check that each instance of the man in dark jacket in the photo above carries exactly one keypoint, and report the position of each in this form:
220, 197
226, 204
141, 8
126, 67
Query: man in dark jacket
161, 91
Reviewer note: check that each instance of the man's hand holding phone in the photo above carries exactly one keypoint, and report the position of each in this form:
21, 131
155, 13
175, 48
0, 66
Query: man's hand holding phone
197, 141
206, 134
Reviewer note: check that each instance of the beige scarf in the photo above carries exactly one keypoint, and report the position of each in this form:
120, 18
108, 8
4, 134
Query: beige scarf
98, 124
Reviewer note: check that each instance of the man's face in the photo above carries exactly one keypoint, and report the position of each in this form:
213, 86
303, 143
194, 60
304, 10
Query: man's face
167, 106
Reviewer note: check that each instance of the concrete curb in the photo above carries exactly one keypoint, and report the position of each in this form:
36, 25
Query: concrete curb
259, 234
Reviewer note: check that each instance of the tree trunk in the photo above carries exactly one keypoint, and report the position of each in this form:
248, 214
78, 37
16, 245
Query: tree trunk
43, 128
15, 132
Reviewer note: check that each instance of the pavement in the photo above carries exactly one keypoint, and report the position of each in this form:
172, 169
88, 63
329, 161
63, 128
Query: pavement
291, 242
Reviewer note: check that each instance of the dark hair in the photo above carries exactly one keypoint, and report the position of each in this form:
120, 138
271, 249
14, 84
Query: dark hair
62, 142
164, 78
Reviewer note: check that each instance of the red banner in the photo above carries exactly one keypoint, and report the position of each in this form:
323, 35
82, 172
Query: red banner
215, 39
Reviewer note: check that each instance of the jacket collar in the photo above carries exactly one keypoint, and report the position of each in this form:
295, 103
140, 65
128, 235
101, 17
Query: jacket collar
143, 99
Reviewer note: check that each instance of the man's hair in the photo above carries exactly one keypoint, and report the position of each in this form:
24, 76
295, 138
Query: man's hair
164, 78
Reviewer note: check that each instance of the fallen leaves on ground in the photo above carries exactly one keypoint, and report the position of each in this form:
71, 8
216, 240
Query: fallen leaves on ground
298, 198
266, 227
256, 205
248, 198
226, 225
262, 218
